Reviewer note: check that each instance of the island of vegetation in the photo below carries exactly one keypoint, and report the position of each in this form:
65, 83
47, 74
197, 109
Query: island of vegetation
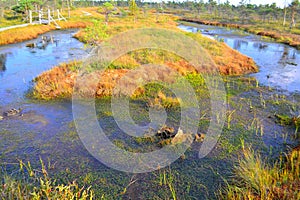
59, 81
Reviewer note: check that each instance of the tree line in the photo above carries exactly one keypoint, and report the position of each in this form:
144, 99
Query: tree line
244, 12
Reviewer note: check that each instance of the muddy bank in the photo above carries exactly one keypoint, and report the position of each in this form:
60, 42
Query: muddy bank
292, 40
16, 35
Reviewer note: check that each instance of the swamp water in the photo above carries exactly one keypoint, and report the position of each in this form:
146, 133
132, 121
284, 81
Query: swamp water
46, 129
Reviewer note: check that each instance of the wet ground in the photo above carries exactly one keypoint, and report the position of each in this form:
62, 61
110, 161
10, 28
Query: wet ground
46, 129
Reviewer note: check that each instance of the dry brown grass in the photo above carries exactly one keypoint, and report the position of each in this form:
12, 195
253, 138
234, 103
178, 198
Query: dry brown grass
60, 81
55, 83
24, 33
33, 31
254, 179
163, 101
231, 62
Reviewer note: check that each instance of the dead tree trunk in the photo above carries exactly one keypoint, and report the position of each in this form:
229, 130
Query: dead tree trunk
293, 18
294, 6
284, 14
1, 11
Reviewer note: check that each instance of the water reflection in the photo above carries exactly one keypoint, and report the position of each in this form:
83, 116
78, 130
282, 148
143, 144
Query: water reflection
260, 46
237, 44
43, 43
3, 58
23, 63
288, 57
284, 57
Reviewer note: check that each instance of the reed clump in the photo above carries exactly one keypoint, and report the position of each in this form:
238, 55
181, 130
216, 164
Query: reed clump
255, 179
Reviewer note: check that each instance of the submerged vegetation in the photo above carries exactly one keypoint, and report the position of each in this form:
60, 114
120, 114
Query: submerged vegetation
256, 115
289, 121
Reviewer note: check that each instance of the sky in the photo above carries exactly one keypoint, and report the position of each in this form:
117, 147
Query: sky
279, 3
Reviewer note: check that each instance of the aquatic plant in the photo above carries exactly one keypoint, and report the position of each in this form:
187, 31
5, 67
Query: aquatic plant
95, 33
255, 179
36, 184
286, 120
166, 178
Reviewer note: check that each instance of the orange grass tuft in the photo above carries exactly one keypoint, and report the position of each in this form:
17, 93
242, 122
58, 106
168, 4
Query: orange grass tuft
33, 31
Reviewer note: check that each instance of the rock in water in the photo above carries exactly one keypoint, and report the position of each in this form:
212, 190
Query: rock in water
31, 45
12, 112
1, 117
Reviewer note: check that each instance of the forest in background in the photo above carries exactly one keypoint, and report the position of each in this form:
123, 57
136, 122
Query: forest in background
244, 12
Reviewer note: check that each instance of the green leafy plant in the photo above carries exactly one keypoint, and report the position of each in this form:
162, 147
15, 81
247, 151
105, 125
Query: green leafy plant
108, 8
95, 33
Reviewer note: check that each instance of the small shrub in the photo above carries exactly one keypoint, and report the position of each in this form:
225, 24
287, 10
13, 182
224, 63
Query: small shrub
96, 33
